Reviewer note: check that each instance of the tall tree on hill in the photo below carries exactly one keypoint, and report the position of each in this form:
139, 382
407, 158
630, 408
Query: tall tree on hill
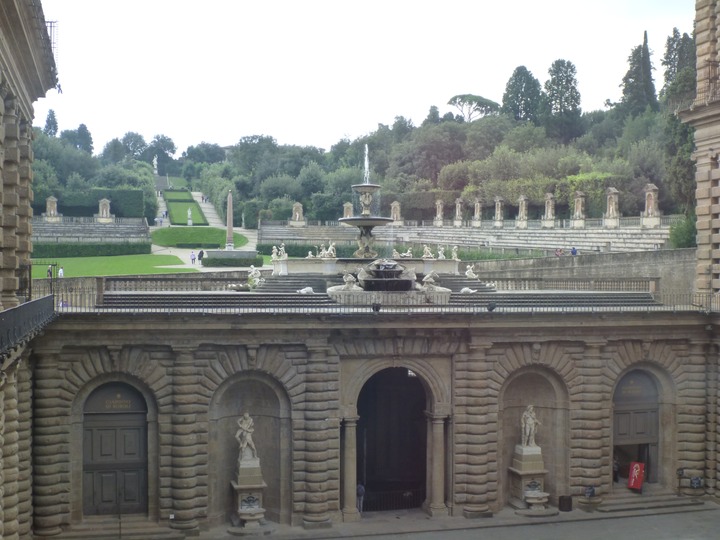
638, 85
679, 54
472, 106
51, 124
113, 152
561, 102
80, 138
522, 96
134, 144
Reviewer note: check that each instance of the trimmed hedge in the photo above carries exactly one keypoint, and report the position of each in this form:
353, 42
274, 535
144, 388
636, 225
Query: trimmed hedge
196, 246
244, 261
51, 251
123, 202
177, 195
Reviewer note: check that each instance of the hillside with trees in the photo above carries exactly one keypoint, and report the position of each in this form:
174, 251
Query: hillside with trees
537, 140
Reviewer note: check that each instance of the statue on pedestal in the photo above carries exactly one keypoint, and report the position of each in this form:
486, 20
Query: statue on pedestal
529, 424
243, 436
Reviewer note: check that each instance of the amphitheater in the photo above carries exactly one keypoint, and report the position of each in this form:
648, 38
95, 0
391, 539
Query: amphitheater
120, 397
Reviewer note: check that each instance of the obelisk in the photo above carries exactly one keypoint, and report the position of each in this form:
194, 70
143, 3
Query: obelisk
229, 241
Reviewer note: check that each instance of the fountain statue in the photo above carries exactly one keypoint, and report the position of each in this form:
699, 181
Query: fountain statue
366, 221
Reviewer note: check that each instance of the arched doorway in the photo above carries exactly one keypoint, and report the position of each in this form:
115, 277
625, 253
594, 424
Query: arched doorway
392, 440
636, 426
115, 457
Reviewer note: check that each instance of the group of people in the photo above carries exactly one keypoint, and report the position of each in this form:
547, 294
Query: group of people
559, 252
200, 256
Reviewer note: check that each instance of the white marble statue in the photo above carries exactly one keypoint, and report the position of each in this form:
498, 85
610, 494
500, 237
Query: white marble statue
470, 273
281, 252
454, 254
441, 253
396, 254
529, 424
246, 427
331, 252
427, 253
275, 254
306, 290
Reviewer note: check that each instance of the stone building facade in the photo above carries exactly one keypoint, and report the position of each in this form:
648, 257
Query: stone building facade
429, 403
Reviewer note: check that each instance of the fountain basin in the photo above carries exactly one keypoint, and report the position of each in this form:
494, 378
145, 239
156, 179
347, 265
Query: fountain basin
365, 221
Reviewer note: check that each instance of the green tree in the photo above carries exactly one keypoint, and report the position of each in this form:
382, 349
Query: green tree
433, 116
522, 97
638, 85
161, 147
114, 152
562, 114
80, 138
472, 106
134, 144
205, 153
311, 179
679, 55
51, 124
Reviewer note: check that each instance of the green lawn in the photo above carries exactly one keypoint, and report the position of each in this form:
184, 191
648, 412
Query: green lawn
120, 265
194, 236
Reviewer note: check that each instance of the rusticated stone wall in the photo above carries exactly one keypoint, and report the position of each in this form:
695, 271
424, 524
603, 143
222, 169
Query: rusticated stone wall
303, 376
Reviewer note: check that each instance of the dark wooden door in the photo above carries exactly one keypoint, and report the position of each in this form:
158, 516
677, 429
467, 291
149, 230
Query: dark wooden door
115, 464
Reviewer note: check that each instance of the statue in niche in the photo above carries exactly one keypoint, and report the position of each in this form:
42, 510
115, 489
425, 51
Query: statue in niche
438, 209
246, 427
529, 424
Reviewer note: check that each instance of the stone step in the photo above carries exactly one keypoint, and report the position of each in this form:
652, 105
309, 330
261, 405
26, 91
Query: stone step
111, 529
655, 502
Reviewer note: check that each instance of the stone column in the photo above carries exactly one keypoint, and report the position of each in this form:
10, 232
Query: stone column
51, 451
187, 455
10, 457
321, 399
475, 429
10, 201
437, 505
350, 510
25, 396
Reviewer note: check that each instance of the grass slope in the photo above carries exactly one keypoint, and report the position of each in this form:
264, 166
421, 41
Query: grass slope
172, 236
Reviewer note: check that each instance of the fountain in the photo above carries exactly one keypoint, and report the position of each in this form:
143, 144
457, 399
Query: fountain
366, 221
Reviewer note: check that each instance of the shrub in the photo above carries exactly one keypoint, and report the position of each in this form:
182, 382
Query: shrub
244, 261
683, 234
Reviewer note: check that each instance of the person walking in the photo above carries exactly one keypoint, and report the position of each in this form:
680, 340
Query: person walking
61, 272
192, 257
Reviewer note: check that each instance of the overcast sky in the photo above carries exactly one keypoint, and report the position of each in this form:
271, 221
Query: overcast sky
311, 72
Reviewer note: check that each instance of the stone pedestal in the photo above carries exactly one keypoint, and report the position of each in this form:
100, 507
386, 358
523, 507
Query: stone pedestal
650, 222
577, 223
527, 474
521, 224
298, 223
248, 491
438, 222
611, 222
476, 223
547, 223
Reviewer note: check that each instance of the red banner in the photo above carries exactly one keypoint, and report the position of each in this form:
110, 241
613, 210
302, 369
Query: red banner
636, 475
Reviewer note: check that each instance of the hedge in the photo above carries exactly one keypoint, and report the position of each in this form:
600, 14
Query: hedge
177, 195
237, 261
58, 251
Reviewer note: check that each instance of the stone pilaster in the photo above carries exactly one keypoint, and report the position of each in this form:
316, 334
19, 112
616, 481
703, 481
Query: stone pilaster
321, 403
25, 397
691, 413
711, 422
25, 195
474, 432
349, 468
10, 457
11, 186
590, 425
51, 453
2, 452
188, 455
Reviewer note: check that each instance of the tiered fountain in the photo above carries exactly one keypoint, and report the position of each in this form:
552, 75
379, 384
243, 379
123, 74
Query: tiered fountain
366, 221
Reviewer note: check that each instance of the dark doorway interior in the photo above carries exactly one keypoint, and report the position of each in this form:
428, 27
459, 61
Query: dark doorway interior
115, 451
392, 441
636, 426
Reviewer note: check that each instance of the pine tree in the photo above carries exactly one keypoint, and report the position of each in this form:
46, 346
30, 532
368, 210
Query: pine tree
638, 85
522, 96
51, 124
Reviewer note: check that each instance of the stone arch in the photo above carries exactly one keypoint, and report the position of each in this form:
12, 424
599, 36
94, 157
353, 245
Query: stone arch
666, 421
76, 412
545, 389
437, 390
